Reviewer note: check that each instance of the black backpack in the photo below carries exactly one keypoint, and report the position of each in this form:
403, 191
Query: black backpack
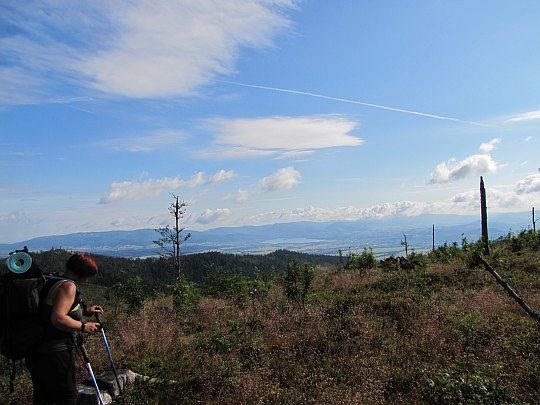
21, 292
21, 328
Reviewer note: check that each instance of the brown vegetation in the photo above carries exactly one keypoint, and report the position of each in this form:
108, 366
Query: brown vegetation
440, 333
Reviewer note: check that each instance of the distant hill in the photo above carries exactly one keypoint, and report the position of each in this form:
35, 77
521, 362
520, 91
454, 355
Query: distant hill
383, 235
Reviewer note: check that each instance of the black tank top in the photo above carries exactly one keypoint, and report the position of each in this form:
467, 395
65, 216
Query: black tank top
55, 339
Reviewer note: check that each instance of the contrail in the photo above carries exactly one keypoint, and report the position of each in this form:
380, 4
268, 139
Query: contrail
345, 100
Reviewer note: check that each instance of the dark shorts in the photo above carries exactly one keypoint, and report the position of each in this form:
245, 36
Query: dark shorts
53, 377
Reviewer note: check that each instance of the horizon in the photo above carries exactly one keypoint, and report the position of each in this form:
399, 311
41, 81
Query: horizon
455, 217
261, 112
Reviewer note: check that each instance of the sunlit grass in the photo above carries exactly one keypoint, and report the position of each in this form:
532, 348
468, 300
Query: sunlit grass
438, 333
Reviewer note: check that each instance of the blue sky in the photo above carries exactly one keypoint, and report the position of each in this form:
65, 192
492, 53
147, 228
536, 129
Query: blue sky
257, 112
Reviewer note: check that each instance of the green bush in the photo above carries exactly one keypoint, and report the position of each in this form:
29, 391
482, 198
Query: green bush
362, 261
131, 293
297, 281
453, 388
185, 294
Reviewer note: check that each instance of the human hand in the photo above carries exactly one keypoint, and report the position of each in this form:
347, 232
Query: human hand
90, 327
95, 309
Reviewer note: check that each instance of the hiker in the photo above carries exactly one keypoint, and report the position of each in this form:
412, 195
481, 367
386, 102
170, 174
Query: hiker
52, 366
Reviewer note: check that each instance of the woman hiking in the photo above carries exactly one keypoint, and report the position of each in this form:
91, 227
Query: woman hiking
52, 366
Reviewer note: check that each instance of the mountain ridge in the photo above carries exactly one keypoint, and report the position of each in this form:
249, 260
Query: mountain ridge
304, 236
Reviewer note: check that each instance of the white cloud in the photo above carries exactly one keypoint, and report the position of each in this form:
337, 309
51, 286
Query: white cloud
133, 190
530, 184
240, 196
453, 170
328, 214
528, 116
469, 201
296, 154
285, 179
408, 208
288, 133
209, 216
466, 203
221, 176
489, 146
528, 138
137, 48
284, 136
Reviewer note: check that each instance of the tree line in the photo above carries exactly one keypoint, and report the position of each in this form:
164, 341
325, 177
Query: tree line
159, 273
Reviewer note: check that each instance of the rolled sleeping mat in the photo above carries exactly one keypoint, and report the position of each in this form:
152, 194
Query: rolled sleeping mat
19, 262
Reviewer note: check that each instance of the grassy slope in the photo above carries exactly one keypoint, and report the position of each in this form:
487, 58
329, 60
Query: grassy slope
441, 332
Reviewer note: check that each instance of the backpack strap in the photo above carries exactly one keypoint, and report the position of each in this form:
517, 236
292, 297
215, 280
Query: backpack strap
49, 298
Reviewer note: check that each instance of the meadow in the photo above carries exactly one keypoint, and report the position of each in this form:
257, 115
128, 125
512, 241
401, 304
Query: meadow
435, 328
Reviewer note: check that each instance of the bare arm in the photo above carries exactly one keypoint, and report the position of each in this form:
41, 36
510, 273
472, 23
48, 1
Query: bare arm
65, 295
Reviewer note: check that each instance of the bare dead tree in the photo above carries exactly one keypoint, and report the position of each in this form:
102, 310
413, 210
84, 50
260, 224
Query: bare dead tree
483, 211
171, 238
404, 243
433, 238
533, 314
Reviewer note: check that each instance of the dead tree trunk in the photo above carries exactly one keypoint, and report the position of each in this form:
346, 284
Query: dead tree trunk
533, 314
433, 239
404, 243
483, 209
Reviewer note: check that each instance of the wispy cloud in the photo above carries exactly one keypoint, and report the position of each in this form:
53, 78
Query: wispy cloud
15, 217
285, 136
528, 116
145, 143
349, 101
234, 153
134, 190
453, 170
284, 179
138, 48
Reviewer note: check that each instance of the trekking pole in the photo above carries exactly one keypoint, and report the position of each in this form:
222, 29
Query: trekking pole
110, 356
89, 367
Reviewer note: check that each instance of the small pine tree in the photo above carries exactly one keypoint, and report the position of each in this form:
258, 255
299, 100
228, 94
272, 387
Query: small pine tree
185, 294
297, 281
131, 292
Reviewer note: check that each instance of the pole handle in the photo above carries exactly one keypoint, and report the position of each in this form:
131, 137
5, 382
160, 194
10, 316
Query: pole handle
98, 319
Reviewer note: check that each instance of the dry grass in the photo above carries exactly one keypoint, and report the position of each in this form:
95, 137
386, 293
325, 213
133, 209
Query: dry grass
362, 338
352, 344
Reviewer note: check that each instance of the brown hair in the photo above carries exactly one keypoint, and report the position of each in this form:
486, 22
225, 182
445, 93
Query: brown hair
82, 264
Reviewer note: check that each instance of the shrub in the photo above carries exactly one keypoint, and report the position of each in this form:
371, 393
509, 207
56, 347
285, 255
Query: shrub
185, 295
131, 292
451, 388
362, 261
297, 281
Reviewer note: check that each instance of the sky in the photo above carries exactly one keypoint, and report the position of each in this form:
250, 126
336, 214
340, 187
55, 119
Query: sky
258, 112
